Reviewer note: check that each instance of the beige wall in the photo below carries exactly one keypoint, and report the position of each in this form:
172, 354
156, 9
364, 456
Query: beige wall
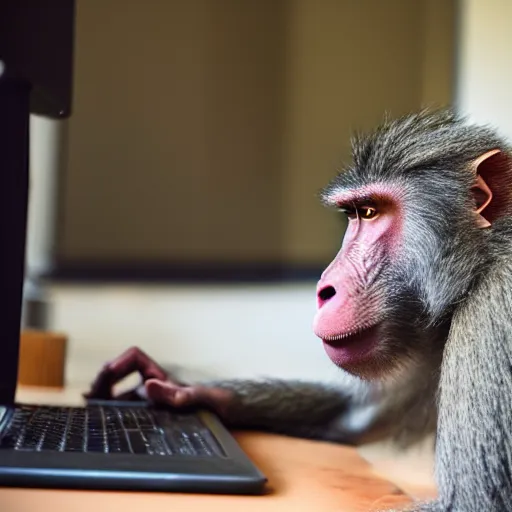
485, 66
347, 63
204, 128
440, 45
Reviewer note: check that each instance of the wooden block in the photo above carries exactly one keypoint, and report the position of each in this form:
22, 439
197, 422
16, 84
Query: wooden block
42, 359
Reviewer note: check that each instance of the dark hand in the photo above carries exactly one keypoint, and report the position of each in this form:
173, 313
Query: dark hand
157, 385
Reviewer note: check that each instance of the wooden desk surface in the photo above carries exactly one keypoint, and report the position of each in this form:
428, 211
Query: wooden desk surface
303, 476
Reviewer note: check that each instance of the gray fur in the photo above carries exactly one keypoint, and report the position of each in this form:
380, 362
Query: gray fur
448, 356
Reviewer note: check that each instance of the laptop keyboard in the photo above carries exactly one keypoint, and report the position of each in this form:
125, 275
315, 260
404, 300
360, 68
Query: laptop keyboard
109, 429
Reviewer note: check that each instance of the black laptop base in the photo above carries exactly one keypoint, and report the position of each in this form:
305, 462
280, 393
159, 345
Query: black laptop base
122, 446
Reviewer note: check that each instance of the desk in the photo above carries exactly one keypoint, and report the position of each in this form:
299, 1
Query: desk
303, 476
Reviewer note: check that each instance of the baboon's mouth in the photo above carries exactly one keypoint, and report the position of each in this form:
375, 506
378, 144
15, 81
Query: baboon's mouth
353, 347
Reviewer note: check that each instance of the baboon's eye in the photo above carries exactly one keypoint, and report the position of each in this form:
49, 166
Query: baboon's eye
367, 212
354, 211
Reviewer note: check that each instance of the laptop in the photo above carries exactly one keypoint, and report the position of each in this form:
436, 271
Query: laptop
122, 446
101, 445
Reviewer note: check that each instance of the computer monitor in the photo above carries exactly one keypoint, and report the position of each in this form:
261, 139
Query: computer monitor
37, 45
36, 55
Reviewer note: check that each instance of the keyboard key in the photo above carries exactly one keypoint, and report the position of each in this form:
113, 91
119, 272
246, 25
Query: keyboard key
200, 445
74, 443
129, 421
96, 444
52, 441
137, 442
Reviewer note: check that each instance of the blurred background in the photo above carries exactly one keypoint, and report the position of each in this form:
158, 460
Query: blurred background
176, 208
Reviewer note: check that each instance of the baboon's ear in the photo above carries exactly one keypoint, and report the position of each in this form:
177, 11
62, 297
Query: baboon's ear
492, 188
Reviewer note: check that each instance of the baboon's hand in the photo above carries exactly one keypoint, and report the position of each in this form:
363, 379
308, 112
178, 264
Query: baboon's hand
157, 385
